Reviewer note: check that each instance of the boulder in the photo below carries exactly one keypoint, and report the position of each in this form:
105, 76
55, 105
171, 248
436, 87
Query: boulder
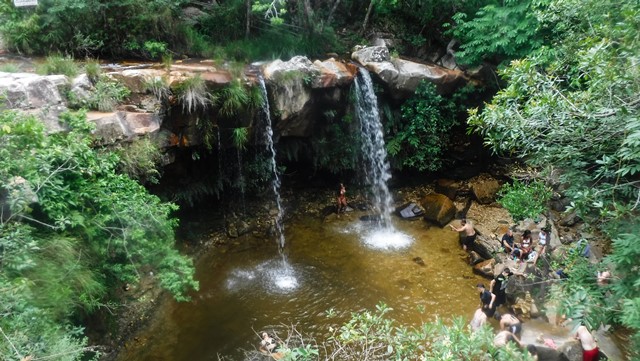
290, 89
115, 126
485, 268
402, 77
136, 79
34, 95
486, 246
484, 189
438, 208
333, 73
448, 187
372, 54
572, 350
409, 211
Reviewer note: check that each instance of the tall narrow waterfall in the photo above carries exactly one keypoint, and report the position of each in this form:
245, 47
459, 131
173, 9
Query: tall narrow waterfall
377, 171
276, 178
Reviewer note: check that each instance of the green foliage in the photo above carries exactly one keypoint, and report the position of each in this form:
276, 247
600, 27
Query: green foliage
376, 336
9, 68
572, 110
524, 200
336, 147
193, 94
72, 229
420, 138
233, 98
158, 86
106, 95
140, 159
501, 32
107, 27
58, 64
240, 136
553, 111
93, 70
155, 49
119, 226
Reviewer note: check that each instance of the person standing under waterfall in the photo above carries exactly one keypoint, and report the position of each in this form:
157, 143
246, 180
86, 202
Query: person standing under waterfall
342, 199
469, 231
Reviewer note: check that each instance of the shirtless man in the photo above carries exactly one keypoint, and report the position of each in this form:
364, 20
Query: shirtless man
479, 319
590, 350
504, 337
470, 233
510, 323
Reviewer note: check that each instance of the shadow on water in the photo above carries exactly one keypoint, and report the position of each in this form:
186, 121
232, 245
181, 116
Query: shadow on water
337, 265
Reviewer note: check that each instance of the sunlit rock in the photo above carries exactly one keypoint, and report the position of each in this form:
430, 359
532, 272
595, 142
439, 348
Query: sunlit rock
35, 95
438, 208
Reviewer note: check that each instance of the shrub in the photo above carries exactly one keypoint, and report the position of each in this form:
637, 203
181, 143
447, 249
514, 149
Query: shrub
9, 68
193, 94
93, 70
524, 200
58, 64
422, 134
107, 94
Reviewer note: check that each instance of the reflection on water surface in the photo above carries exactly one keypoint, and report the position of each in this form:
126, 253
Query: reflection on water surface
343, 265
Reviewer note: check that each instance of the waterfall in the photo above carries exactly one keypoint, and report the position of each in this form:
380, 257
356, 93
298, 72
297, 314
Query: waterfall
276, 178
376, 166
241, 181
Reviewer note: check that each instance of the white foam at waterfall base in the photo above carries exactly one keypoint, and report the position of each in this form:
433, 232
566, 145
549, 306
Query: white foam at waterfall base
275, 276
387, 239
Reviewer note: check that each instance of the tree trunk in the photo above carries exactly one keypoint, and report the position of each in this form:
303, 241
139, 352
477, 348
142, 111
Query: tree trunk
248, 23
366, 18
333, 10
308, 15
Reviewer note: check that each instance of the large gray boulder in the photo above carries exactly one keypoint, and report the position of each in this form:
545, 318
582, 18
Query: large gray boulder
402, 77
290, 85
35, 95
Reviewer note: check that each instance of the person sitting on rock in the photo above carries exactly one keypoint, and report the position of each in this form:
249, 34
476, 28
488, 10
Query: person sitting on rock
523, 250
543, 238
507, 241
510, 323
469, 231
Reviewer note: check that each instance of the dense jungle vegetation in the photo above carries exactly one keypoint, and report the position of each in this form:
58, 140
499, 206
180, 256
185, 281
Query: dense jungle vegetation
74, 225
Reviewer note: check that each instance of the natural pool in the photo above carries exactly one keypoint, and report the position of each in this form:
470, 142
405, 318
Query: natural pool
341, 265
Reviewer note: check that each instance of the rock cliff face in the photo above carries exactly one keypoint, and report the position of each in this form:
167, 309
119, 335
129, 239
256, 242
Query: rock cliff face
301, 94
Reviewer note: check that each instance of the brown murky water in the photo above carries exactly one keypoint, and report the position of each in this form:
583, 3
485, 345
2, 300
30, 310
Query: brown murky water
343, 265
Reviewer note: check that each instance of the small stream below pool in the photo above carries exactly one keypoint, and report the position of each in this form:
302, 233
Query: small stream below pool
338, 265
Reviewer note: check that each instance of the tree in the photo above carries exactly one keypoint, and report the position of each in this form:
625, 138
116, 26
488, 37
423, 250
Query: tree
71, 228
498, 32
573, 110
420, 138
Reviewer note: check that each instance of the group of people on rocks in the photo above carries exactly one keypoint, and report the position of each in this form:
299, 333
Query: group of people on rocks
525, 251
510, 326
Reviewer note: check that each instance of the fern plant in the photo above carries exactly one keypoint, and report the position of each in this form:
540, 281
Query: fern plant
240, 136
233, 98
193, 94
